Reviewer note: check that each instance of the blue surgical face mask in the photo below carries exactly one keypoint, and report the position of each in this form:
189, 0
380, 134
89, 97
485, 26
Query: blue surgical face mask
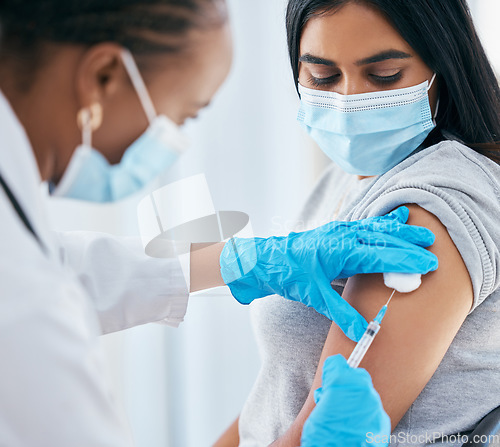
370, 133
90, 177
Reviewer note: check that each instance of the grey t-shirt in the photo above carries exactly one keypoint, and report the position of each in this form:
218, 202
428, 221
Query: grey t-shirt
461, 188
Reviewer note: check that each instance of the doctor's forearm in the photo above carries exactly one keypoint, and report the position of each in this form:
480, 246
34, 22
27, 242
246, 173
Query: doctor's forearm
205, 266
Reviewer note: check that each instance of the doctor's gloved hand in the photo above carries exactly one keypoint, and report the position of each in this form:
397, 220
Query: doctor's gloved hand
301, 266
349, 412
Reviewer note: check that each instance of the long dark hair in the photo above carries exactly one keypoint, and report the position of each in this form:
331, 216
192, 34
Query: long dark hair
443, 35
143, 26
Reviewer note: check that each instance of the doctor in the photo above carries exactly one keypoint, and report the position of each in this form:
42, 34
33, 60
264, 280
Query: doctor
79, 75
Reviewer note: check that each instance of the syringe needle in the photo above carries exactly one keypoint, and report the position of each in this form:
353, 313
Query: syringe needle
382, 312
393, 292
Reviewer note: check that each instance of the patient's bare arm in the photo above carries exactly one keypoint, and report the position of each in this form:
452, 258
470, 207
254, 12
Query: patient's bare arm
230, 438
416, 332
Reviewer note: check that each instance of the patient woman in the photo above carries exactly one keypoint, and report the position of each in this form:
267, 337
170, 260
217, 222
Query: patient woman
363, 69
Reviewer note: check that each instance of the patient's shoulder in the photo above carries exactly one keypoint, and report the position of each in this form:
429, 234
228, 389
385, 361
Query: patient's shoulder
461, 189
448, 164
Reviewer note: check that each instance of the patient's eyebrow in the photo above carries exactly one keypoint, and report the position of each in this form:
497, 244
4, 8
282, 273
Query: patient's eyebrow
310, 59
384, 56
380, 57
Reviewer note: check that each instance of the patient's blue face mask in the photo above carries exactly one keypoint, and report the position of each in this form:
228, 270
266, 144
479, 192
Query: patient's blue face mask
90, 177
370, 133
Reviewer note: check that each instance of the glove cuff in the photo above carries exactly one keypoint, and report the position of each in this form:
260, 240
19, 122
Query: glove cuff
240, 271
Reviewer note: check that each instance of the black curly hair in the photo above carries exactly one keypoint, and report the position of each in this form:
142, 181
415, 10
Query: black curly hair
143, 26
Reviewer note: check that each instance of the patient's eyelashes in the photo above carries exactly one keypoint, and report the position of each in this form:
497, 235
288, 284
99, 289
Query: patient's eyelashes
318, 82
378, 79
384, 80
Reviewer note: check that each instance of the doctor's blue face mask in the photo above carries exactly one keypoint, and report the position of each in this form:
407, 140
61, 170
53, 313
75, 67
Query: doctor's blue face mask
370, 133
90, 177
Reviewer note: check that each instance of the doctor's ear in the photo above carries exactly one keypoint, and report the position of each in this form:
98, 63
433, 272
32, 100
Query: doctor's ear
100, 75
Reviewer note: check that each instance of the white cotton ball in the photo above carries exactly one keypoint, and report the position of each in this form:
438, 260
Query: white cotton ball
403, 282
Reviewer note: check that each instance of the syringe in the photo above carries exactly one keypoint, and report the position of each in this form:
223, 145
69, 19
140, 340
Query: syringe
368, 337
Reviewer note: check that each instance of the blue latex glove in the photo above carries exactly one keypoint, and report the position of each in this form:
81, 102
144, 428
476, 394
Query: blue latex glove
301, 266
349, 412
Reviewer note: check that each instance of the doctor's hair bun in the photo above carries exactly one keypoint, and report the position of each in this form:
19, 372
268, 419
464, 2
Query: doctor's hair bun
142, 26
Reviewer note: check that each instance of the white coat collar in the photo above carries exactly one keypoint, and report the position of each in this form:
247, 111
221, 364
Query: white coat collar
19, 169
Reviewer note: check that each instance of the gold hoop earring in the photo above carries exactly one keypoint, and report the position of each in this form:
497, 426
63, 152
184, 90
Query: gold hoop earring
89, 119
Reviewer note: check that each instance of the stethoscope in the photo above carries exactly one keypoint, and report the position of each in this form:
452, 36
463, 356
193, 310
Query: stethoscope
22, 215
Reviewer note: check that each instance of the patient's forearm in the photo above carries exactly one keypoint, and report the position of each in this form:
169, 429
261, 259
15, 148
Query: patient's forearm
292, 436
231, 437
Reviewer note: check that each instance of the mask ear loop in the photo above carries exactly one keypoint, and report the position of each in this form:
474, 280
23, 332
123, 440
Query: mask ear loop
438, 100
139, 85
432, 81
436, 111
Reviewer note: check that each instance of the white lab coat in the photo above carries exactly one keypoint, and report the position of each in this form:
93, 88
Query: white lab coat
54, 306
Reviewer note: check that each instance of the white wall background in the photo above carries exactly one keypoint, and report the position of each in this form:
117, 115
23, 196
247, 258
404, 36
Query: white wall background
486, 14
183, 387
